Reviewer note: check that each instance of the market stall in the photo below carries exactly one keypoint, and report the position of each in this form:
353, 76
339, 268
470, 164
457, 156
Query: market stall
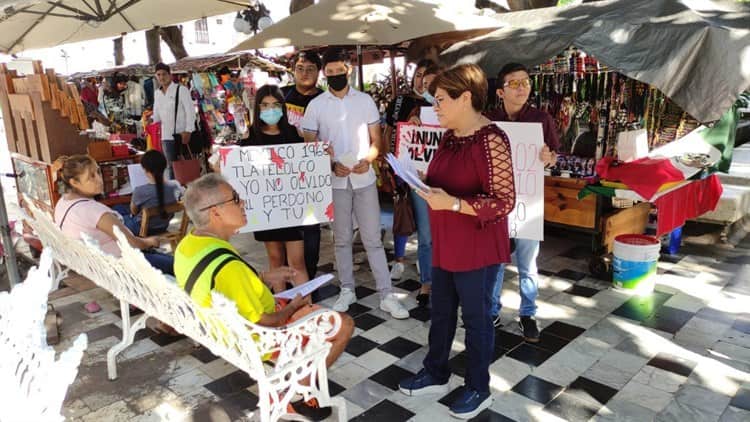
631, 88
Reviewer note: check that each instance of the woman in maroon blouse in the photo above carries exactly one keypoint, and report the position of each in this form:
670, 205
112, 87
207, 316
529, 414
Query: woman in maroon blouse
471, 194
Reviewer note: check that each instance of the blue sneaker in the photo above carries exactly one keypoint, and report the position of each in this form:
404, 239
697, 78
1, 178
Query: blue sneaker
421, 384
470, 403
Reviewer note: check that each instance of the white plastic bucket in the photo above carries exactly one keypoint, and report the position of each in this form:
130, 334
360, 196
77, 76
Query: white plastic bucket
634, 264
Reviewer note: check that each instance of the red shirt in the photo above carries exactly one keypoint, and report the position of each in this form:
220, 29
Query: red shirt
477, 169
530, 114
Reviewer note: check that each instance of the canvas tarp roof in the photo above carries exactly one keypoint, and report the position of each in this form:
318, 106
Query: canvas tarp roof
28, 24
696, 52
363, 22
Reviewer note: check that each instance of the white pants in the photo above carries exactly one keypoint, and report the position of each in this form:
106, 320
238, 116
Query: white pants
363, 205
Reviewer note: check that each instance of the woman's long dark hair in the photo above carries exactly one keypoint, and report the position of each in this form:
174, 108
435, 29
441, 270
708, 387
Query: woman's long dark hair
263, 92
154, 162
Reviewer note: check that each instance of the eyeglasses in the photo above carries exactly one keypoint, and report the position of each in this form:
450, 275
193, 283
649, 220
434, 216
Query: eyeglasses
269, 106
235, 199
515, 84
306, 69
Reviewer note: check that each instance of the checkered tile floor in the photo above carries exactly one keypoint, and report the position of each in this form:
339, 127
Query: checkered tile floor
681, 354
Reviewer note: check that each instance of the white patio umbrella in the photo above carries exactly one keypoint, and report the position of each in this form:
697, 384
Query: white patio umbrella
28, 24
368, 22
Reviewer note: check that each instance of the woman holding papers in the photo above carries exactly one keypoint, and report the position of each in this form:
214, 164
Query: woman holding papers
471, 193
271, 127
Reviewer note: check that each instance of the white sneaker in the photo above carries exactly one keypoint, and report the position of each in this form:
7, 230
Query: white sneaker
391, 305
397, 270
346, 298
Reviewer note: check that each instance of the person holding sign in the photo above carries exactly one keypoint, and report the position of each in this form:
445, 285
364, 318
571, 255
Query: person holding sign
472, 191
306, 66
349, 120
271, 127
514, 90
399, 110
205, 261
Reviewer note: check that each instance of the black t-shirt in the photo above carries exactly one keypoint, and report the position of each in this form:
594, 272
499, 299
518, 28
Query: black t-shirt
296, 103
399, 109
287, 136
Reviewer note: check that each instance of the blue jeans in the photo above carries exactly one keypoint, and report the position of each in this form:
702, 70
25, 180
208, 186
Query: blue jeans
160, 261
424, 237
472, 290
170, 153
525, 255
132, 222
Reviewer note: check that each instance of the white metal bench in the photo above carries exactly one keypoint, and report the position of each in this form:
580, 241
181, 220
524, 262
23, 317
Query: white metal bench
221, 329
33, 383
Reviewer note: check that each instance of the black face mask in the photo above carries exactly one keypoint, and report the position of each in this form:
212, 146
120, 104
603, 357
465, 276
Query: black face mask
337, 82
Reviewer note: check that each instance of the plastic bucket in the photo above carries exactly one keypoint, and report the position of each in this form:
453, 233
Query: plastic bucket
634, 264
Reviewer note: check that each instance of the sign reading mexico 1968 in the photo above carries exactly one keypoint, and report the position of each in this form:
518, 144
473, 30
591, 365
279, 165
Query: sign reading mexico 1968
283, 185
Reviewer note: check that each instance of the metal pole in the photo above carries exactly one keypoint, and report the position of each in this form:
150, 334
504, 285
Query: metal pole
11, 264
360, 68
394, 76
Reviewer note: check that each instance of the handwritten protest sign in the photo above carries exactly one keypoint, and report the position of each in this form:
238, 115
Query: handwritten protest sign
420, 142
282, 185
526, 221
526, 141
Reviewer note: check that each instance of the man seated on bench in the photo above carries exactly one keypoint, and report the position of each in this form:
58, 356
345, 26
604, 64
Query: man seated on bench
205, 260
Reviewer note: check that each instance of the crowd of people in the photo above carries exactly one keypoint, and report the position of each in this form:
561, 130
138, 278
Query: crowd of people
463, 238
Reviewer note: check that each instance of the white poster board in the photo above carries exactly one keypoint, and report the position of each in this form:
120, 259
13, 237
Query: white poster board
526, 221
283, 185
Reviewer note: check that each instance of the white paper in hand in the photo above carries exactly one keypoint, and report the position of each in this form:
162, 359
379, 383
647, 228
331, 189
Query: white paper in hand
406, 171
306, 288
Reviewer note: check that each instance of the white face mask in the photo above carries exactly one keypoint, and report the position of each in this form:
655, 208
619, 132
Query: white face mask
419, 94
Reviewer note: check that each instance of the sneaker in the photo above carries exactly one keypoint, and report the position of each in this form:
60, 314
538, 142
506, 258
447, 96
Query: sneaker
470, 403
529, 329
397, 270
391, 305
496, 321
421, 384
309, 409
346, 298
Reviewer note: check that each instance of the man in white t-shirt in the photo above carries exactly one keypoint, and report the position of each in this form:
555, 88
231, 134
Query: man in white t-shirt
164, 111
349, 121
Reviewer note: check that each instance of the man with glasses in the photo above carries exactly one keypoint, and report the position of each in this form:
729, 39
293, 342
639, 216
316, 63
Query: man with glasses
350, 122
514, 88
306, 66
205, 261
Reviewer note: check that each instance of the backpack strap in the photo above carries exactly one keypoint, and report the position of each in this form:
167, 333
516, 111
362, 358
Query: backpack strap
228, 256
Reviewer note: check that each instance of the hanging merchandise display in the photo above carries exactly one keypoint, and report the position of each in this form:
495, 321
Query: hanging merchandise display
592, 104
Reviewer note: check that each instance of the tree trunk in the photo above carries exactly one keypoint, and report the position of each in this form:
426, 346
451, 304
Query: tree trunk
172, 36
153, 46
297, 5
119, 54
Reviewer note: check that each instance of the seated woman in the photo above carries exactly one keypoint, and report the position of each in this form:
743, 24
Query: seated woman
271, 127
157, 192
78, 212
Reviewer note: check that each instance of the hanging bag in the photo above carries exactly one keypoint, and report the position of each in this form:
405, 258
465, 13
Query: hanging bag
403, 213
187, 168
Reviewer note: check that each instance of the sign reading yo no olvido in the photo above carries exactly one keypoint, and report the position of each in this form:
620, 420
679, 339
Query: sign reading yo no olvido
283, 185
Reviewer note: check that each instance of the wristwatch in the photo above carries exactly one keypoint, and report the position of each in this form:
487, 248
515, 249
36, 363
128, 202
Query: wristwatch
456, 205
